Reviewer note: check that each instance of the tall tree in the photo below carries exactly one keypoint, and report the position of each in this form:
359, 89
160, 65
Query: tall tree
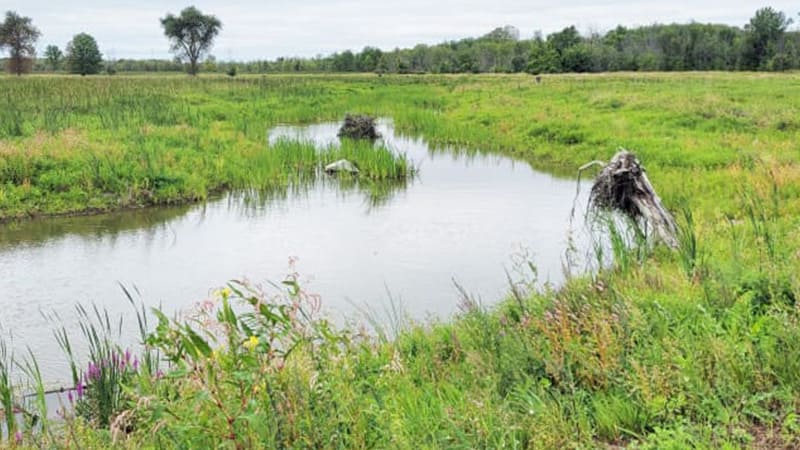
54, 56
765, 34
18, 34
191, 34
83, 56
564, 39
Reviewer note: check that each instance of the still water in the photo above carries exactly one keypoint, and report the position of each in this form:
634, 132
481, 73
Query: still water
463, 218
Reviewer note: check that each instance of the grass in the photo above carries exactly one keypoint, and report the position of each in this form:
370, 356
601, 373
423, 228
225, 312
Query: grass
696, 348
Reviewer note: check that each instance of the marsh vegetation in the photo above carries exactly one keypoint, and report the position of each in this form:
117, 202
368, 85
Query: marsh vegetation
696, 347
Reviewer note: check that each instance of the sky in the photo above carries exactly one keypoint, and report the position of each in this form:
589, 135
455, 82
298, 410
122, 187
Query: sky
267, 29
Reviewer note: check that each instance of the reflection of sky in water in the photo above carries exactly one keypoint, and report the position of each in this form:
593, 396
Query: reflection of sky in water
462, 218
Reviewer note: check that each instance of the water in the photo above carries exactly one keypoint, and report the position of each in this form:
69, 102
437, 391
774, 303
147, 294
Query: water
463, 218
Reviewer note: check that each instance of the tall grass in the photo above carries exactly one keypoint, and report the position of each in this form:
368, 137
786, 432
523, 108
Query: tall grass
7, 395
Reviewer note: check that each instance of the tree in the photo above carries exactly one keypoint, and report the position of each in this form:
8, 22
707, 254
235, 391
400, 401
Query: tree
506, 33
543, 59
53, 55
19, 35
368, 59
191, 34
83, 56
344, 62
765, 34
564, 39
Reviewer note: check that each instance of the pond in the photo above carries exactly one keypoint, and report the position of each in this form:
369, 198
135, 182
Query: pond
464, 218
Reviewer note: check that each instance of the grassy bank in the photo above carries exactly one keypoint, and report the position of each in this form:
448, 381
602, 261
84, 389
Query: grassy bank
696, 348
70, 144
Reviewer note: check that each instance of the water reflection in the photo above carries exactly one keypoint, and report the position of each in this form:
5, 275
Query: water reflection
149, 223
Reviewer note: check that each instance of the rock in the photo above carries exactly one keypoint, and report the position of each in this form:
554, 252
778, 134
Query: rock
341, 165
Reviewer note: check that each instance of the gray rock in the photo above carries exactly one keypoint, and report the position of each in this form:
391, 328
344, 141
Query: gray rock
341, 165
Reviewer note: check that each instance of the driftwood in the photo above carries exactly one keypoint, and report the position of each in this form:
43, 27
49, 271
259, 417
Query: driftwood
359, 127
622, 185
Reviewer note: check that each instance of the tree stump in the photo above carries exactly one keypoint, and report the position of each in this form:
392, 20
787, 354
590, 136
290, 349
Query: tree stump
359, 127
622, 185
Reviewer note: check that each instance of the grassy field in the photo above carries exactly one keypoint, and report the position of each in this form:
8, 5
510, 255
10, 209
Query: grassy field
696, 348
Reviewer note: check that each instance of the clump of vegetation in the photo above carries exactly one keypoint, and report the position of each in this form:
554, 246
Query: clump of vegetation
359, 126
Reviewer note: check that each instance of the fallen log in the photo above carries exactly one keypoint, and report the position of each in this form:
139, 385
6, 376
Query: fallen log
622, 186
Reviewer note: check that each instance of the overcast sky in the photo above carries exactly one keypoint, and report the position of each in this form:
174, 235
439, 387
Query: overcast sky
266, 29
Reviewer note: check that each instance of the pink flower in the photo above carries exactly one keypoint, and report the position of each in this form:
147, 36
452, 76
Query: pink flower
92, 372
18, 436
79, 389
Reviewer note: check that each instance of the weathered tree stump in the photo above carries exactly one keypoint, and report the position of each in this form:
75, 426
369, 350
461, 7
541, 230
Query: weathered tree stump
622, 185
359, 127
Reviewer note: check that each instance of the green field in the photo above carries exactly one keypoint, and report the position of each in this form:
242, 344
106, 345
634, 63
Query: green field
696, 348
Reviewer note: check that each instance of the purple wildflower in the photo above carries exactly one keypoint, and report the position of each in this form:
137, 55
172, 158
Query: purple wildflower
70, 397
93, 372
135, 364
79, 389
18, 437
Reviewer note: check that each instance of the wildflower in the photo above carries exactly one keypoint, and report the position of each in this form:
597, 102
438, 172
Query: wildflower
251, 343
18, 437
70, 397
92, 372
135, 363
224, 293
79, 389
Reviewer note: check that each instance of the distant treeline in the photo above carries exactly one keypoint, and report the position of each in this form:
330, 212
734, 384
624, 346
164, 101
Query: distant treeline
765, 43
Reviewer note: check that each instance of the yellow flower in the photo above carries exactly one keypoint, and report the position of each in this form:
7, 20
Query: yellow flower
224, 293
251, 343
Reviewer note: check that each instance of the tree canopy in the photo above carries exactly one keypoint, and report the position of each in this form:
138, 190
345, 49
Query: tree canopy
767, 42
18, 34
765, 39
53, 55
191, 35
83, 56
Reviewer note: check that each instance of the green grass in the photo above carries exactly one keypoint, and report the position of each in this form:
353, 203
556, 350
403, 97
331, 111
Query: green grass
696, 348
